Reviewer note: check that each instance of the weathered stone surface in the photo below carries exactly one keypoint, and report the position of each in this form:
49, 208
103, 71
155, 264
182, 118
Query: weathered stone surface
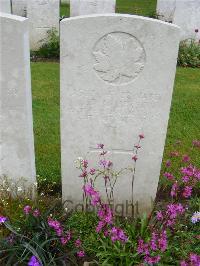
87, 7
19, 7
5, 6
187, 17
166, 9
43, 16
117, 74
16, 126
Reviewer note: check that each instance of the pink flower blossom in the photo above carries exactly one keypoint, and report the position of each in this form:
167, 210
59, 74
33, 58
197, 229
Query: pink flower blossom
187, 192
2, 219
137, 146
141, 136
100, 226
196, 143
168, 163
152, 260
85, 163
78, 243
117, 234
174, 190
83, 174
183, 263
189, 170
159, 215
169, 176
100, 146
185, 179
81, 254
36, 213
105, 163
27, 209
103, 153
66, 238
174, 154
135, 158
34, 261
186, 158
56, 225
92, 171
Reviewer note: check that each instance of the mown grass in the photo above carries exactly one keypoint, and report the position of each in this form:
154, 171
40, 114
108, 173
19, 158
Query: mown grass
45, 87
139, 7
184, 123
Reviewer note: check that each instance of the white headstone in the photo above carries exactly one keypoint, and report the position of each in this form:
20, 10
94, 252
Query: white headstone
187, 17
16, 125
5, 6
117, 75
19, 7
87, 7
43, 16
165, 9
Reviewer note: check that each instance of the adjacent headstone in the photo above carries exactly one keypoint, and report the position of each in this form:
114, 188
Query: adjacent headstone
117, 75
187, 17
165, 9
19, 7
43, 16
5, 6
16, 125
87, 7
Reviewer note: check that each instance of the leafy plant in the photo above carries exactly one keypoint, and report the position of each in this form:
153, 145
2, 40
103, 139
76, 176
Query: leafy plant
38, 238
189, 54
50, 47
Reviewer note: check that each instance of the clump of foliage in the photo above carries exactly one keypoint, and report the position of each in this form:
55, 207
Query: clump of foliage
50, 47
168, 236
189, 54
39, 238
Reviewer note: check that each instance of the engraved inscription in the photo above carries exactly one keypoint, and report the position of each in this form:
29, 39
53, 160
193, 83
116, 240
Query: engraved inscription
119, 58
42, 2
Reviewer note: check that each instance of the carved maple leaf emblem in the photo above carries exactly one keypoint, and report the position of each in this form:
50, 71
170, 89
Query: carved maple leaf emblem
118, 58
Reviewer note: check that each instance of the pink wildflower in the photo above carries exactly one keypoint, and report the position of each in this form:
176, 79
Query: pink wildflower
185, 179
174, 190
159, 215
27, 209
141, 136
174, 154
187, 192
2, 219
36, 213
169, 176
81, 254
100, 146
168, 163
196, 143
83, 174
186, 158
100, 226
78, 243
85, 163
135, 158
92, 171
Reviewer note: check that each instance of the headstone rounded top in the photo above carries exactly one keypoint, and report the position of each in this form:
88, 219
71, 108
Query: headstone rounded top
11, 17
119, 16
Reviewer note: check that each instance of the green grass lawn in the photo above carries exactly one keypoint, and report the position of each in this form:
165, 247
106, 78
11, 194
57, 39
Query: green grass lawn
139, 7
184, 123
45, 86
